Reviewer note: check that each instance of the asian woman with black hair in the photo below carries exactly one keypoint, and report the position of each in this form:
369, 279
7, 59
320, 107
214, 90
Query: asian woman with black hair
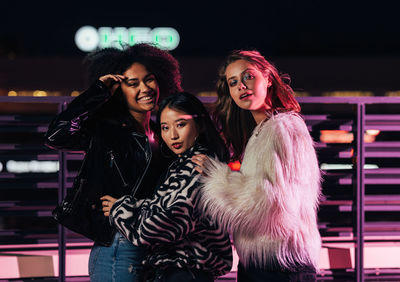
184, 245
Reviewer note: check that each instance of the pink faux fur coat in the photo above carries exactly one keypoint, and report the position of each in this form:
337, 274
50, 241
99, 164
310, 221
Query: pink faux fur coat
271, 204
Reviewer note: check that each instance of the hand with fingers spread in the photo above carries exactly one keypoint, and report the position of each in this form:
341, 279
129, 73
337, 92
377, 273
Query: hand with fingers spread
107, 203
112, 81
200, 160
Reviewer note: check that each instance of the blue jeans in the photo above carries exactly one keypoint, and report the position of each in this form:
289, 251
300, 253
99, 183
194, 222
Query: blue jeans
120, 262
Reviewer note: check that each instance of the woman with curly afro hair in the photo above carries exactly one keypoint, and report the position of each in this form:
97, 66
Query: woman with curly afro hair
110, 122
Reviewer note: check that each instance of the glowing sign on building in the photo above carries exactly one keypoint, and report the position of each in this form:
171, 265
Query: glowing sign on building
88, 38
32, 166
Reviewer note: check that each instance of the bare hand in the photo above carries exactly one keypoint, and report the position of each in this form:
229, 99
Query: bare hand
200, 160
112, 81
107, 203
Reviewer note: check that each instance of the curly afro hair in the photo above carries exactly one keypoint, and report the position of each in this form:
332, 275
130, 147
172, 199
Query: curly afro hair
116, 61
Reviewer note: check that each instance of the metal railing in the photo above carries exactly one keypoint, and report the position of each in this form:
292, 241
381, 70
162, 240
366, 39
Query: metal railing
361, 205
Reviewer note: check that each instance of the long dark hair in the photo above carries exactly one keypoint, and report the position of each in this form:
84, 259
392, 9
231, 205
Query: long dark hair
116, 61
191, 105
237, 124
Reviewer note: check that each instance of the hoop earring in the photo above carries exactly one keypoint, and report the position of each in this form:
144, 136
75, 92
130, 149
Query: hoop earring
170, 154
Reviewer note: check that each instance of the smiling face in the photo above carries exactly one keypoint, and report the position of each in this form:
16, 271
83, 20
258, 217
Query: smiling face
178, 130
140, 89
247, 85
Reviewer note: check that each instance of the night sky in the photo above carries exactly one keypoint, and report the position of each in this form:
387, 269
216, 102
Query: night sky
281, 28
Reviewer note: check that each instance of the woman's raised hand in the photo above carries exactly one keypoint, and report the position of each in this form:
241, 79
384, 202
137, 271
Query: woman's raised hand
200, 160
112, 81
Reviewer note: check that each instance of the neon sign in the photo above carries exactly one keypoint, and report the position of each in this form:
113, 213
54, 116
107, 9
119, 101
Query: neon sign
32, 166
88, 38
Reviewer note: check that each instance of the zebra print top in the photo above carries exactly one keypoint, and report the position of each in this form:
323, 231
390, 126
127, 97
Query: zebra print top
172, 226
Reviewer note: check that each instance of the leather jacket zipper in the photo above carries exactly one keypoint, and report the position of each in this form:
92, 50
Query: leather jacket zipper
113, 161
133, 192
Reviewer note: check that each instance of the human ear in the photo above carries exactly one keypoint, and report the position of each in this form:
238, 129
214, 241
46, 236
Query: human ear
269, 83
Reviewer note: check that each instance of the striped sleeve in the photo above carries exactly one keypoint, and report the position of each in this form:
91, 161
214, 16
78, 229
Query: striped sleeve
122, 214
161, 220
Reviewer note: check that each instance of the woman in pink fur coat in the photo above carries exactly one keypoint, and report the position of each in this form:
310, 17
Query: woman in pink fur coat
270, 205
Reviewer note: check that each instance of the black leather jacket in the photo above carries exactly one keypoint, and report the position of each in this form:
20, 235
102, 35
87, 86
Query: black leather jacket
115, 163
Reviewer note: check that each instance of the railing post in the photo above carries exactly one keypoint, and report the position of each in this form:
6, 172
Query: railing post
62, 191
360, 161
